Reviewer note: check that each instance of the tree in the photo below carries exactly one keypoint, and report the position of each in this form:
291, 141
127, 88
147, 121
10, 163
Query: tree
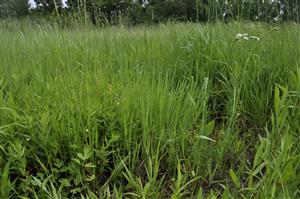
13, 8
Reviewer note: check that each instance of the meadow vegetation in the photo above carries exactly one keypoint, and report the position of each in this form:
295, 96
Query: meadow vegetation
165, 111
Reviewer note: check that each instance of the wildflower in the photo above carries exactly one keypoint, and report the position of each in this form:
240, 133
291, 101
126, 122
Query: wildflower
238, 36
241, 36
145, 3
86, 130
255, 38
64, 4
281, 12
245, 36
276, 18
32, 4
276, 29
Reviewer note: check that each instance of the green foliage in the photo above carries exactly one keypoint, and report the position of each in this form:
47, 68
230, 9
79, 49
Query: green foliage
13, 8
132, 12
170, 111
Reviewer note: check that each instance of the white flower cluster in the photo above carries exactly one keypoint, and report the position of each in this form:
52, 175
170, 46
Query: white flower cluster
246, 36
144, 3
64, 4
32, 5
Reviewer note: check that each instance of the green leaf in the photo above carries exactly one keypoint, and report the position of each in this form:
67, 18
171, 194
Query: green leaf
209, 128
92, 195
259, 168
174, 196
192, 100
200, 194
36, 182
90, 165
206, 138
277, 100
80, 156
226, 194
65, 182
75, 190
87, 153
91, 178
234, 178
76, 160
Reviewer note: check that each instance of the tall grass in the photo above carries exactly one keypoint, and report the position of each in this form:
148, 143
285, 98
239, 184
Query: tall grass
169, 111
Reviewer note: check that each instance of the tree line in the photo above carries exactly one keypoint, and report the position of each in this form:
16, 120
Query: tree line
153, 11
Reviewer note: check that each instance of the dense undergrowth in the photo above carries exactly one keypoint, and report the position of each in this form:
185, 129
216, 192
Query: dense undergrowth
169, 111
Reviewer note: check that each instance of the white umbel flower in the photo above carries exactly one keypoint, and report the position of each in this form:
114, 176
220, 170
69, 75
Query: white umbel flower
32, 5
246, 36
64, 4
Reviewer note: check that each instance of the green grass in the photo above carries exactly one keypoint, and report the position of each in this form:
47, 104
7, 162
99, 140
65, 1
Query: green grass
169, 111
